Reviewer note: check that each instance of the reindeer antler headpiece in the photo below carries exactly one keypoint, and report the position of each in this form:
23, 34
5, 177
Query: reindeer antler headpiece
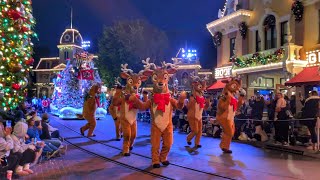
124, 68
197, 78
151, 66
117, 81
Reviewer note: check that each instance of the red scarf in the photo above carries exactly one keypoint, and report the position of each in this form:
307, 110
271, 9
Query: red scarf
234, 103
201, 101
119, 107
98, 101
131, 103
161, 100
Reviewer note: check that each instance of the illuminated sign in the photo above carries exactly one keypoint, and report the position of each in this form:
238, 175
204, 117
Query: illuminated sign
85, 44
313, 57
223, 72
189, 54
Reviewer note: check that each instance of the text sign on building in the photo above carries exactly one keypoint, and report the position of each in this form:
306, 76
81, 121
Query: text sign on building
313, 57
223, 72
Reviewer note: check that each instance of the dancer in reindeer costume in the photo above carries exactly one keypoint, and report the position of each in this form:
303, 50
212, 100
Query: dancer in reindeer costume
115, 110
128, 115
161, 105
228, 105
197, 104
90, 105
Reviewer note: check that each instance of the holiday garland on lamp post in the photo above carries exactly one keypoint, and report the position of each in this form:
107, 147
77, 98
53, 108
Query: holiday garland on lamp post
16, 48
297, 10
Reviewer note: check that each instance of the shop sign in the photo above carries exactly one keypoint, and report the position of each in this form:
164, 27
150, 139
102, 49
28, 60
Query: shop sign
223, 72
313, 57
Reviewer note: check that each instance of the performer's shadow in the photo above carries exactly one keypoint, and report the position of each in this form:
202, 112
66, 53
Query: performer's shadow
145, 142
192, 151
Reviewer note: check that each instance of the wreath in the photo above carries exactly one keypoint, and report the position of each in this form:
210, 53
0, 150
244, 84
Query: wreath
217, 38
297, 10
243, 29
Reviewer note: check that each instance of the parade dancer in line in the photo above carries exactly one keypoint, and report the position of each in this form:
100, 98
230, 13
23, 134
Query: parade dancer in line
91, 103
128, 115
115, 111
228, 105
161, 105
196, 105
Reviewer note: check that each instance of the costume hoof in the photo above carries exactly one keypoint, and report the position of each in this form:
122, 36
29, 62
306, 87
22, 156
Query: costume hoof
156, 166
81, 132
199, 146
227, 151
131, 148
165, 163
118, 139
93, 135
126, 154
189, 143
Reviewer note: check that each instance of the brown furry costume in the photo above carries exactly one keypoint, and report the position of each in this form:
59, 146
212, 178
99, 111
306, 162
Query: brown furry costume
89, 109
161, 105
197, 104
115, 112
228, 105
128, 110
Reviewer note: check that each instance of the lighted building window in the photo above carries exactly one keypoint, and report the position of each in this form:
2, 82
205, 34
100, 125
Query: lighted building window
270, 32
66, 55
319, 24
232, 45
284, 32
258, 42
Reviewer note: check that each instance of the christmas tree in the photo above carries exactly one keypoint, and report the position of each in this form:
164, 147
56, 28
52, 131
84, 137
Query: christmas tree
16, 48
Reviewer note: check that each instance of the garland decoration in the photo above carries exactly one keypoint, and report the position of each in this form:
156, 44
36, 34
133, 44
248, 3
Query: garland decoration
243, 29
257, 59
217, 38
297, 10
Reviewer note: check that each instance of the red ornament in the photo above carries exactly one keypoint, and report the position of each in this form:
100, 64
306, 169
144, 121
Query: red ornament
59, 76
14, 14
24, 29
29, 61
16, 86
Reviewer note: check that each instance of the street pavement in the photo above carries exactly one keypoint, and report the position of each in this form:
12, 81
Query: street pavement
246, 162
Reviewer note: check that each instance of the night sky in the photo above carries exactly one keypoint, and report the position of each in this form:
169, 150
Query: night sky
184, 21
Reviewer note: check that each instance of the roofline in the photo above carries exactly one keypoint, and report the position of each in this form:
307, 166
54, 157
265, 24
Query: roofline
73, 30
47, 70
69, 45
51, 58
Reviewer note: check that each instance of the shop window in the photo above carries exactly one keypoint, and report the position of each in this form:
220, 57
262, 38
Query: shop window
258, 42
270, 32
284, 32
282, 81
319, 25
232, 45
261, 82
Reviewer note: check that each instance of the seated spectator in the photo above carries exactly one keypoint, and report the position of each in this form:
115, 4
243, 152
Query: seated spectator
8, 161
53, 132
50, 150
27, 152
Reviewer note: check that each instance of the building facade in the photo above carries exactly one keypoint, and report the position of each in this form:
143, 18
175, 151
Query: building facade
47, 68
265, 41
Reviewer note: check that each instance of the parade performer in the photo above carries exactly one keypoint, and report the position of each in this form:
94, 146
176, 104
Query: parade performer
115, 111
228, 105
196, 105
91, 103
161, 105
128, 115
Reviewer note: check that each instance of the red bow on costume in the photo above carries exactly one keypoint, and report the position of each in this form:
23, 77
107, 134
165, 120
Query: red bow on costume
98, 101
131, 103
161, 100
234, 103
200, 101
119, 107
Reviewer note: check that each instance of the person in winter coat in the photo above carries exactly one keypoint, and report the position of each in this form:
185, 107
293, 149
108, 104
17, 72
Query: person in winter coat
27, 152
311, 110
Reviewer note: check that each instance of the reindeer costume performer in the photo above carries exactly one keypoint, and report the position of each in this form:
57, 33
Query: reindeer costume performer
115, 110
128, 115
197, 104
161, 105
228, 105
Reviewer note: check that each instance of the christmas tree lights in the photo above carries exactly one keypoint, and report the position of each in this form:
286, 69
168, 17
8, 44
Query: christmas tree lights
16, 48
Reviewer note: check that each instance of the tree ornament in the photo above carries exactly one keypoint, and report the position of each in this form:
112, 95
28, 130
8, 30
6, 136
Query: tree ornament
297, 10
16, 86
14, 14
243, 28
217, 38
29, 61
15, 67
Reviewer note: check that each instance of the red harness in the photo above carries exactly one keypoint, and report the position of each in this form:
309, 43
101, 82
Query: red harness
234, 103
201, 101
161, 100
131, 103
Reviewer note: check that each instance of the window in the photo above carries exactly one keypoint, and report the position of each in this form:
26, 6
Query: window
319, 24
284, 32
258, 42
66, 55
232, 46
270, 32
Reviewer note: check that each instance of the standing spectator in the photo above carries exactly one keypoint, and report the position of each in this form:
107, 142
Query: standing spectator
39, 105
34, 103
311, 110
45, 105
257, 108
271, 106
281, 125
293, 108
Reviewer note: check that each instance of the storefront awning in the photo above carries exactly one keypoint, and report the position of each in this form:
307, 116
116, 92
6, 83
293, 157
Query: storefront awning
308, 76
216, 86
